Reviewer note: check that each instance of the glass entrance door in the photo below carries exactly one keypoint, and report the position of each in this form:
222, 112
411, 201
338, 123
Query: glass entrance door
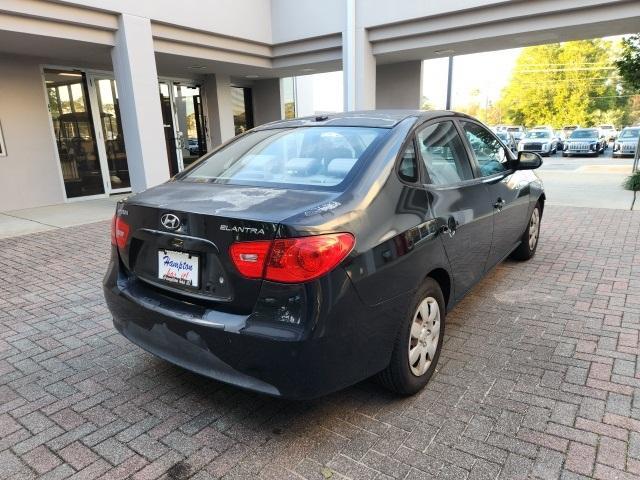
183, 124
73, 127
190, 132
168, 120
116, 155
242, 102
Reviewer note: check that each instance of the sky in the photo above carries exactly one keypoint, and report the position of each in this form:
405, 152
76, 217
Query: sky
470, 72
487, 72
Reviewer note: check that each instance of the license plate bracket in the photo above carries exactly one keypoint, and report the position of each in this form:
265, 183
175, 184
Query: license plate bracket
181, 268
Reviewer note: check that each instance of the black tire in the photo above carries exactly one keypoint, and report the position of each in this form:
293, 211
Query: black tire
565, 154
525, 250
398, 376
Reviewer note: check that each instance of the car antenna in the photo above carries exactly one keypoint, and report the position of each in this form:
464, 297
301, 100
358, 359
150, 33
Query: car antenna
322, 118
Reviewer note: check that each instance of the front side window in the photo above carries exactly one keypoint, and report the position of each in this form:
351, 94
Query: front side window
289, 157
443, 153
489, 153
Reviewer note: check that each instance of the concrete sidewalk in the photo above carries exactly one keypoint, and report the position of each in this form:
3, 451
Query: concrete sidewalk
41, 219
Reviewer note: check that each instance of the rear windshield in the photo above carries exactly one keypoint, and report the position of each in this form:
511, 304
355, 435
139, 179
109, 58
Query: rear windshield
289, 157
584, 134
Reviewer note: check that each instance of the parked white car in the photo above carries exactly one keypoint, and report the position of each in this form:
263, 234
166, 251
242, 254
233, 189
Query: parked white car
542, 141
609, 132
518, 131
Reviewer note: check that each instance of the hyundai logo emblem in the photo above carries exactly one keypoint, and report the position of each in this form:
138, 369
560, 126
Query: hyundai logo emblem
170, 221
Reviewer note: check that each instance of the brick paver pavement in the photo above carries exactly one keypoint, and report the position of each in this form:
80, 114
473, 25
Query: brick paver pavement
539, 377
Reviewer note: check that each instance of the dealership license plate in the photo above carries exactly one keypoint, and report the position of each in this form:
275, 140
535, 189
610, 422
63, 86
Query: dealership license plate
178, 267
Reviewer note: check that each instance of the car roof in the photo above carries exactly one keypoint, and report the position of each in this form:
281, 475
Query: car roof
364, 118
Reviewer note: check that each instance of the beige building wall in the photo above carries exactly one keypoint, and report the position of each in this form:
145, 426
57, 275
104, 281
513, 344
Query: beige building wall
248, 19
30, 173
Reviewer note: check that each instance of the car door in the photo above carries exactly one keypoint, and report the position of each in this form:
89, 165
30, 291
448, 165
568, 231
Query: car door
508, 190
459, 202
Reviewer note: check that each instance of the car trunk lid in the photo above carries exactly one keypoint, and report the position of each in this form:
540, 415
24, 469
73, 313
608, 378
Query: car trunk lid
188, 256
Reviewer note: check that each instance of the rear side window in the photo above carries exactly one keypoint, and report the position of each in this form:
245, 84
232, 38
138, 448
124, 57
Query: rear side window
444, 154
303, 156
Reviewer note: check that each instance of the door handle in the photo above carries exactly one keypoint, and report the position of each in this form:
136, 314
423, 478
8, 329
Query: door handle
499, 204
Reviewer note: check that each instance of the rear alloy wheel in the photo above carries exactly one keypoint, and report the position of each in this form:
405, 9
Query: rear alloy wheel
424, 336
418, 344
529, 239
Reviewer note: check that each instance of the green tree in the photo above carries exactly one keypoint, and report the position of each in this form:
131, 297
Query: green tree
629, 63
563, 84
629, 68
426, 104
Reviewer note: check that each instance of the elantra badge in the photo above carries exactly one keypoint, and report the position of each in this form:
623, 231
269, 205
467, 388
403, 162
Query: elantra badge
170, 221
255, 231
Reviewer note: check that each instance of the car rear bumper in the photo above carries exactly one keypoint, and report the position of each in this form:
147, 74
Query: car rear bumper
318, 350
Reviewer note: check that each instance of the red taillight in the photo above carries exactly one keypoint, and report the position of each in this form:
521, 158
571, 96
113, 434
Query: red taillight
249, 257
302, 259
291, 260
119, 232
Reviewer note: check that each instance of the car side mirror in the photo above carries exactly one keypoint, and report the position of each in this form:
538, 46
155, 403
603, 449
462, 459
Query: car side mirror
528, 161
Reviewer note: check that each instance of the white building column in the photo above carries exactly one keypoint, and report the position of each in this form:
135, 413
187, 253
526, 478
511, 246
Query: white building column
304, 91
266, 101
219, 109
134, 65
358, 64
399, 85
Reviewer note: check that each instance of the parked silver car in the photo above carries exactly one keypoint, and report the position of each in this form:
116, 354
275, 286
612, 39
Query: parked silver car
508, 140
541, 141
627, 142
584, 141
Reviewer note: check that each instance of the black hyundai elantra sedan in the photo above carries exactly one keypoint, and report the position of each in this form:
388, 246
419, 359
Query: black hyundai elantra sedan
306, 255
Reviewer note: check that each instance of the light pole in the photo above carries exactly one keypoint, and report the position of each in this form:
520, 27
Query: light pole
449, 83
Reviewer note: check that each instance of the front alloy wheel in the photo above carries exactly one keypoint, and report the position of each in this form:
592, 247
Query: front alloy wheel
529, 239
534, 228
